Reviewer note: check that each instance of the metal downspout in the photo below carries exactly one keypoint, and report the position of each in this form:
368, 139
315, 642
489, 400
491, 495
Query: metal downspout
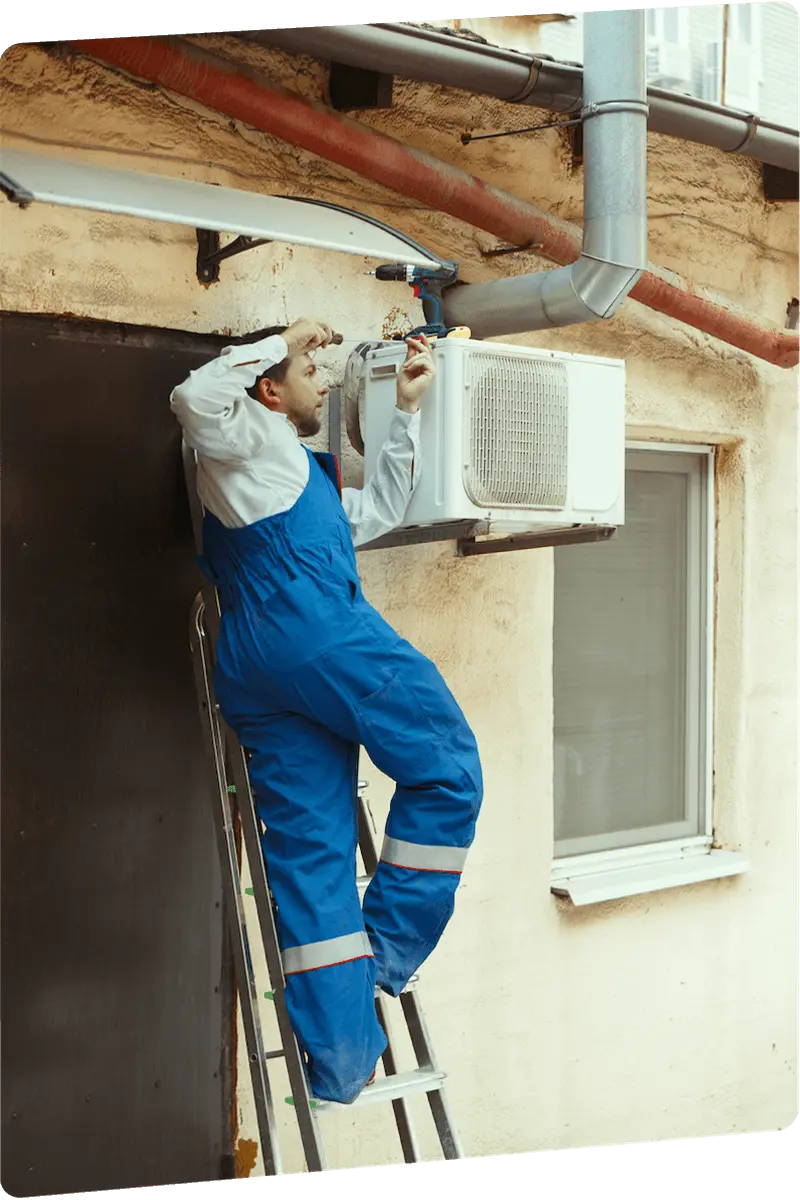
614, 251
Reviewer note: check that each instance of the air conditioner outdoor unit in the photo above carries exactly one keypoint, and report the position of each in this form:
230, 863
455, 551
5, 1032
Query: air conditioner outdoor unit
523, 440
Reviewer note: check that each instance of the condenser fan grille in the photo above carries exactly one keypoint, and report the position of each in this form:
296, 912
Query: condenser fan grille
516, 432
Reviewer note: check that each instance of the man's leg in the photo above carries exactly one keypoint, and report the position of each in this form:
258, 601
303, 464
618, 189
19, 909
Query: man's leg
415, 733
304, 778
377, 689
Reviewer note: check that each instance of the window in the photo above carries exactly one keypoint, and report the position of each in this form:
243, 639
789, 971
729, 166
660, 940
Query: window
712, 74
631, 666
670, 18
741, 23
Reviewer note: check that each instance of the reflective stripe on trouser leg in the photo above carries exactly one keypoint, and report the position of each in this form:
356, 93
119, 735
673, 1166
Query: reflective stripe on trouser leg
423, 858
304, 778
329, 953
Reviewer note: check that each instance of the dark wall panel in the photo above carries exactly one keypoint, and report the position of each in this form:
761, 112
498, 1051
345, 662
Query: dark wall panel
116, 994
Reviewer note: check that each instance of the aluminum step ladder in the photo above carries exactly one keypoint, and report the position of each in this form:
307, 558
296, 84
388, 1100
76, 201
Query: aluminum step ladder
235, 810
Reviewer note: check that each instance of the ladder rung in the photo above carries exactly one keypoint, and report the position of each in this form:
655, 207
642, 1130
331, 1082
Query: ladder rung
393, 1087
275, 1054
363, 882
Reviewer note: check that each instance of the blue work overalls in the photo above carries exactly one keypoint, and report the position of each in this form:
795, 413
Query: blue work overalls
307, 670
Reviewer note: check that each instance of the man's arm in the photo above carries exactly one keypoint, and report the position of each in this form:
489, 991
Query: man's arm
381, 505
213, 407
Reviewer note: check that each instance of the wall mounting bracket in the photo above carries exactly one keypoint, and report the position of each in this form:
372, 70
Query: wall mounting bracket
210, 254
534, 541
418, 535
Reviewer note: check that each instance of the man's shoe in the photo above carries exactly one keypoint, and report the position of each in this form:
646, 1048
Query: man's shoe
307, 1064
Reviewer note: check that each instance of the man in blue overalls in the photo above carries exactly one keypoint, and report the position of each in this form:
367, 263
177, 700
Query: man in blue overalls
308, 671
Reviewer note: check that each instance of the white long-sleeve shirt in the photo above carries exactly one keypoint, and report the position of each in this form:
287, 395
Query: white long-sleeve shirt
250, 462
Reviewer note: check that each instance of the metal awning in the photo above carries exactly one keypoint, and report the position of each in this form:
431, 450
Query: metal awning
26, 177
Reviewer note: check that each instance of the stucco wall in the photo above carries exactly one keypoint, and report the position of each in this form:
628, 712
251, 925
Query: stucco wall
664, 1015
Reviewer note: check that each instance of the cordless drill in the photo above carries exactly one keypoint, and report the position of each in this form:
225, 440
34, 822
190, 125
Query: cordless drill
428, 284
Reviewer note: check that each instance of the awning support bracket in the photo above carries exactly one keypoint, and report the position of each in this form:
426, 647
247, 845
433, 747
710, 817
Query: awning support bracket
210, 254
16, 193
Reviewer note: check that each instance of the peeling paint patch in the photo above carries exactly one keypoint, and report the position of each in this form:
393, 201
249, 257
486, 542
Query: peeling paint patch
397, 321
246, 1155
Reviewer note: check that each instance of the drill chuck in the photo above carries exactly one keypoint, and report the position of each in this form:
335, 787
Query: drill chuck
389, 272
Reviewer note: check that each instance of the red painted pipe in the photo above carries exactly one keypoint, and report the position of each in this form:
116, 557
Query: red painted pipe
231, 90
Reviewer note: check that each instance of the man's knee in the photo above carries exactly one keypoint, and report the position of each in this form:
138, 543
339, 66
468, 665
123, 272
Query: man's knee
474, 772
462, 745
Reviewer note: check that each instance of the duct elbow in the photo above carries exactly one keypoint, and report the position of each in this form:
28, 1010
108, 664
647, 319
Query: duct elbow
588, 290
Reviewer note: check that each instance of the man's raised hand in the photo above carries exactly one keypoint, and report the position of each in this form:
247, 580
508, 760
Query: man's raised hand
416, 373
307, 334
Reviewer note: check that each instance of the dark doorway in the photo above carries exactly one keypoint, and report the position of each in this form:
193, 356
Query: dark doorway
116, 989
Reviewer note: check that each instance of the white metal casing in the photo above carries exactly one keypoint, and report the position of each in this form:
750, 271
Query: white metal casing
525, 439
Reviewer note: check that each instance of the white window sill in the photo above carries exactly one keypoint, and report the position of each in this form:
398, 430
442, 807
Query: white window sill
614, 883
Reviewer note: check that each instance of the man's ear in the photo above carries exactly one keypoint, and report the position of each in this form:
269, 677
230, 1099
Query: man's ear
267, 393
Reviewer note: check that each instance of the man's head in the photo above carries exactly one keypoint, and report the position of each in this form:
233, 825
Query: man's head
291, 387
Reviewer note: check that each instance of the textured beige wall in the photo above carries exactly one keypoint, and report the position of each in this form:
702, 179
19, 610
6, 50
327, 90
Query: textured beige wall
664, 1015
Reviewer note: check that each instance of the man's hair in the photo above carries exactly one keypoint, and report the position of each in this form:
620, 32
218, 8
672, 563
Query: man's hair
276, 373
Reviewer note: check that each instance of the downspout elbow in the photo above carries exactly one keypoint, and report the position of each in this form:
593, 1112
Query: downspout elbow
589, 289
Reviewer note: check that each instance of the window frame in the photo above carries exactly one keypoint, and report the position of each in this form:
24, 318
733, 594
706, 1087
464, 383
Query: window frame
701, 564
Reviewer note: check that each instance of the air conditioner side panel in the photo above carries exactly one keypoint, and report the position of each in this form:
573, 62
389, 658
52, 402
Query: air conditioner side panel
439, 495
596, 486
379, 404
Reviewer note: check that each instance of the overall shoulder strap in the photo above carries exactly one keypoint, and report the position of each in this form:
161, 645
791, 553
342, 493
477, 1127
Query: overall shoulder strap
330, 465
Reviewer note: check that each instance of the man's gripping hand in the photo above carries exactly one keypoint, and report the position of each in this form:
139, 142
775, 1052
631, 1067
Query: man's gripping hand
307, 334
416, 373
